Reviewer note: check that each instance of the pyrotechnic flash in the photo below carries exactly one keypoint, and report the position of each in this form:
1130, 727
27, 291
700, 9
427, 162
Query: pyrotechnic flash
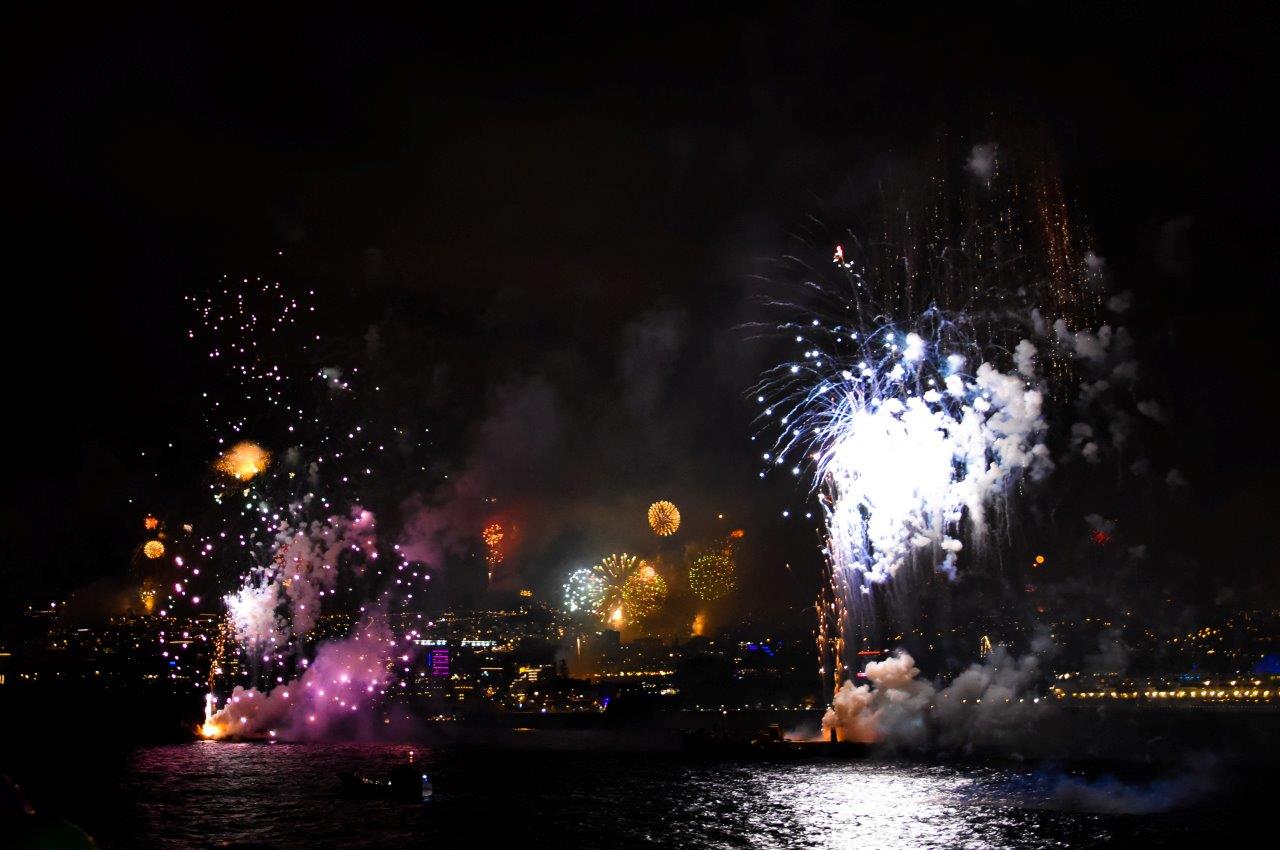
643, 592
243, 461
150, 523
664, 518
153, 549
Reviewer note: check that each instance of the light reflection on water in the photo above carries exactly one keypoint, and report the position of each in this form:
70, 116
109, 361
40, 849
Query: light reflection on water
215, 794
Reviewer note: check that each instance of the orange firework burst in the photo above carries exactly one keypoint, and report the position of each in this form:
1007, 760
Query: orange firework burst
492, 536
664, 518
153, 549
243, 461
149, 522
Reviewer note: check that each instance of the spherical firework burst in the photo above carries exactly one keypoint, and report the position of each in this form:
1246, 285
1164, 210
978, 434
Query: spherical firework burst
664, 518
643, 592
243, 461
713, 574
150, 523
583, 591
153, 549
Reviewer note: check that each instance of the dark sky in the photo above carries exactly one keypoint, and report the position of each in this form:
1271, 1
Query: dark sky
556, 209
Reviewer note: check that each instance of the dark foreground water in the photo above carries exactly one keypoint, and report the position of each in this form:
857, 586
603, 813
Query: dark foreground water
203, 794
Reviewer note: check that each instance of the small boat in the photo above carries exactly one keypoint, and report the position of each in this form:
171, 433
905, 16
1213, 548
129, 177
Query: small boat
406, 783
769, 743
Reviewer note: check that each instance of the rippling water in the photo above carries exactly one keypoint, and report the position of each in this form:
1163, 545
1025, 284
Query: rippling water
287, 796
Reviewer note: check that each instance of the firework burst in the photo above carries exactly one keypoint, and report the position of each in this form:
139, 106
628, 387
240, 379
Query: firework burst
643, 592
664, 518
713, 574
916, 404
583, 591
612, 573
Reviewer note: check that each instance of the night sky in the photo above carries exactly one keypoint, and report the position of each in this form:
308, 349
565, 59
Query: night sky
550, 227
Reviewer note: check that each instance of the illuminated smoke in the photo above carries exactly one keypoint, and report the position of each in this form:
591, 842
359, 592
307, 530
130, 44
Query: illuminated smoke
283, 598
335, 693
991, 705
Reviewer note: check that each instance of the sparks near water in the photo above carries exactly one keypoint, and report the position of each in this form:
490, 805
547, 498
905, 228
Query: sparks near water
297, 456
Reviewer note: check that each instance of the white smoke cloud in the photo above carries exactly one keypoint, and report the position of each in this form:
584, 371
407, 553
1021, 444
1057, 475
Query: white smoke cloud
989, 706
1024, 358
1109, 795
1120, 302
282, 599
982, 160
1151, 409
1100, 523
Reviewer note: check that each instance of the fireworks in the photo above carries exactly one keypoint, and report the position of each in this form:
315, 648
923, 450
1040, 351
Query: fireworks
612, 573
243, 461
492, 536
712, 574
643, 592
153, 549
583, 591
928, 363
150, 523
664, 518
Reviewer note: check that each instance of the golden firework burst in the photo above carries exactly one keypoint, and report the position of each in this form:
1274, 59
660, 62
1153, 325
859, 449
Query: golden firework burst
712, 574
643, 592
153, 549
610, 603
664, 518
243, 461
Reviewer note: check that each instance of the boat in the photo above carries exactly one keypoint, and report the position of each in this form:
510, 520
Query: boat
768, 743
406, 783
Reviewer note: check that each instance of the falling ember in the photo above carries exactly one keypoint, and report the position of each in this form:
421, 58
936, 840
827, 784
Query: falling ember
664, 518
243, 461
153, 549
